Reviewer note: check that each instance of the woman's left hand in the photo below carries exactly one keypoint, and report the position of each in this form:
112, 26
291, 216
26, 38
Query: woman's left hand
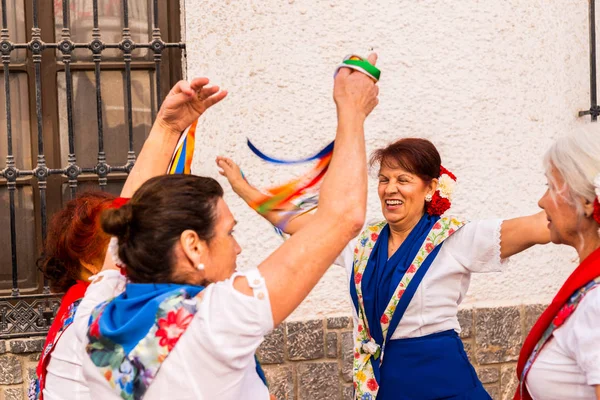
186, 102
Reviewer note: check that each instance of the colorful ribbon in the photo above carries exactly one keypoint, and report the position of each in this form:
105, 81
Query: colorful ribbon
181, 163
304, 186
360, 64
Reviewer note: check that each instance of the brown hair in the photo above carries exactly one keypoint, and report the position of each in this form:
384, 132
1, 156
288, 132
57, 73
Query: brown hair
151, 223
415, 155
74, 235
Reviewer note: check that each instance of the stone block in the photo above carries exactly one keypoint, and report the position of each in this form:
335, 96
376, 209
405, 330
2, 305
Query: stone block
348, 392
19, 346
498, 335
532, 313
332, 351
339, 322
493, 391
465, 319
318, 381
13, 394
272, 350
469, 350
508, 381
34, 357
489, 374
281, 381
10, 370
2, 346
31, 374
306, 340
347, 355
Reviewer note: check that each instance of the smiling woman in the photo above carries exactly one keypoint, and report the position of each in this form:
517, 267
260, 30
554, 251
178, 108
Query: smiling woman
560, 358
409, 273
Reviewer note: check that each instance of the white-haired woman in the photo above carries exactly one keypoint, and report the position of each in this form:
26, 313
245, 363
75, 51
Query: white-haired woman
560, 358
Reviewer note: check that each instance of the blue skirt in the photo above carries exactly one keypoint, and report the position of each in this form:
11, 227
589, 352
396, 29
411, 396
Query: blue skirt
427, 368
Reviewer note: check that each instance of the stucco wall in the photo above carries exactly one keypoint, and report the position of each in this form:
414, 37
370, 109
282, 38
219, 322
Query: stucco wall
490, 83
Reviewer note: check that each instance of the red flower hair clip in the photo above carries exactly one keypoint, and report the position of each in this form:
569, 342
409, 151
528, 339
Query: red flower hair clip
441, 200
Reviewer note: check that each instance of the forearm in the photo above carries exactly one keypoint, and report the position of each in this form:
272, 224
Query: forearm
518, 234
281, 218
598, 392
344, 189
154, 158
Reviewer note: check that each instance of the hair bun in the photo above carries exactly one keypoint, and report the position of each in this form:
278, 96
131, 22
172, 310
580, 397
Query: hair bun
116, 221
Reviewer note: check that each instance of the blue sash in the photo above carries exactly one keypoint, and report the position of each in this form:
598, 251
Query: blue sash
382, 276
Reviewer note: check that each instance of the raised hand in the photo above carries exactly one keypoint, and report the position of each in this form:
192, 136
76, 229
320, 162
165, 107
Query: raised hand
231, 171
186, 102
354, 91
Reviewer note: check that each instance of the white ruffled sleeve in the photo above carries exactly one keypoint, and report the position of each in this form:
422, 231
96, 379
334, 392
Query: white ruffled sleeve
586, 335
230, 325
476, 246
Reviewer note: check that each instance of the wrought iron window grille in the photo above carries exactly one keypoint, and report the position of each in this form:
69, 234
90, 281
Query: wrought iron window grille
30, 315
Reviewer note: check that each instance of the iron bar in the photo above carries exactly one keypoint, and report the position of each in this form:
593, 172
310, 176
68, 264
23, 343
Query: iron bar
594, 110
127, 46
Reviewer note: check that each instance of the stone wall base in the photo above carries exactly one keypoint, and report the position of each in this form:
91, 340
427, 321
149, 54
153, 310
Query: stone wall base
313, 359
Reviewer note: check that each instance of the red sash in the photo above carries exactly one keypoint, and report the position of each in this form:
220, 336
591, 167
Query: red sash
61, 322
587, 271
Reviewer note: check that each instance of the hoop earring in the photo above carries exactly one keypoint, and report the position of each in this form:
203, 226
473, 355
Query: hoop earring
428, 197
200, 267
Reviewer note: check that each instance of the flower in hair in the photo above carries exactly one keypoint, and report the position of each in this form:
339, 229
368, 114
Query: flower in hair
442, 198
597, 200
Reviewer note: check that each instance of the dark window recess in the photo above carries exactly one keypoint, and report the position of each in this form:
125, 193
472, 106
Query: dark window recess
80, 85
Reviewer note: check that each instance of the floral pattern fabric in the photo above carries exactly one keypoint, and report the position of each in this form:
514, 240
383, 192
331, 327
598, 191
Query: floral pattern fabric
366, 350
561, 317
131, 374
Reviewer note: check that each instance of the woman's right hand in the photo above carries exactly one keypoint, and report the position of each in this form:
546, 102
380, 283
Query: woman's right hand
230, 170
355, 92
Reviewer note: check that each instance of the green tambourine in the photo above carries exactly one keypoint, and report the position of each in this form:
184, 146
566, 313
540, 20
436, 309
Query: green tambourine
359, 64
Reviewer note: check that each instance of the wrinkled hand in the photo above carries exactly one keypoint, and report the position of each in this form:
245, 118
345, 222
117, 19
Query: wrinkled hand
186, 102
231, 171
354, 91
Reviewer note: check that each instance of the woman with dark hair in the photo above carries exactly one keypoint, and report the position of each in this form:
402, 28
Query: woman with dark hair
560, 358
187, 325
409, 273
75, 248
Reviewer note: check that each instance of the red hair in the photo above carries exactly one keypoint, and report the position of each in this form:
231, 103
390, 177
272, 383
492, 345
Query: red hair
75, 236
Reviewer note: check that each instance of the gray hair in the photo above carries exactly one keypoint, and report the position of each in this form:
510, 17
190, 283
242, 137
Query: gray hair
577, 159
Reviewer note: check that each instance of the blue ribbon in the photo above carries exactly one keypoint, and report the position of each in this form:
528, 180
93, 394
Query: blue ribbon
328, 149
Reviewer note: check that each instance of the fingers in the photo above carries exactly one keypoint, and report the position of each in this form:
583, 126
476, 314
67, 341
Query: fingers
181, 87
214, 99
372, 58
197, 83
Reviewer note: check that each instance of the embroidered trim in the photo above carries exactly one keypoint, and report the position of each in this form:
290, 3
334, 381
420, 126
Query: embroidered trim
366, 349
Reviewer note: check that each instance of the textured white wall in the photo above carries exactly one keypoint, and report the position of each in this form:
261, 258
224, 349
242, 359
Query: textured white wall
491, 83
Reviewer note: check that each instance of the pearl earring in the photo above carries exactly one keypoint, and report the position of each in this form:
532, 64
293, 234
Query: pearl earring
428, 197
200, 267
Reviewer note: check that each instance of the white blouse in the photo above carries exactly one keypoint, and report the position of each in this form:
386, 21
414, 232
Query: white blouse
473, 248
568, 367
214, 358
64, 375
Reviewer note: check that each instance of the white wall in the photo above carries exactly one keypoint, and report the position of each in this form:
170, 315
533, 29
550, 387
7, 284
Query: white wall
491, 83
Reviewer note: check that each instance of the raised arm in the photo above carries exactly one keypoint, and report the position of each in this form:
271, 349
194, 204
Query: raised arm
184, 104
297, 265
251, 195
521, 233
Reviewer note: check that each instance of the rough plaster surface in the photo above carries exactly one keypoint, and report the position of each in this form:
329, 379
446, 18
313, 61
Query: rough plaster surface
490, 83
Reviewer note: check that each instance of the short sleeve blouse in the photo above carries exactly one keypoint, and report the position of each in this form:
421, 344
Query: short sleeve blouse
473, 248
214, 358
